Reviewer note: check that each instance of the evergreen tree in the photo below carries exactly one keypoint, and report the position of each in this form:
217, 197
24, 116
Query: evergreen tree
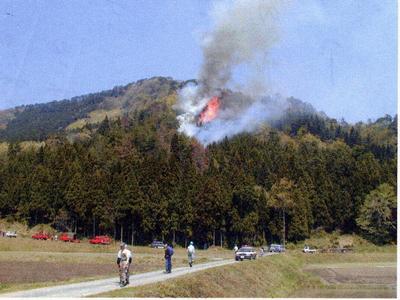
281, 198
378, 215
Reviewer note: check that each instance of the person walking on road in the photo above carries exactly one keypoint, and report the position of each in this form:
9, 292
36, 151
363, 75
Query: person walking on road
124, 260
169, 251
190, 251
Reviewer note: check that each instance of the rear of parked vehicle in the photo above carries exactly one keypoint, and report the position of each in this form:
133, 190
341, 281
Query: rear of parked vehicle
276, 248
157, 244
11, 234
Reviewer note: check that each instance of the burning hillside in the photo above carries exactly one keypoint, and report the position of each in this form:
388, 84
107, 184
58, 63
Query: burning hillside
209, 112
243, 33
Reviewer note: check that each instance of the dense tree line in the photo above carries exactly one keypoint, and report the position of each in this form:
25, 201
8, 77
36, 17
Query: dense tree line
137, 178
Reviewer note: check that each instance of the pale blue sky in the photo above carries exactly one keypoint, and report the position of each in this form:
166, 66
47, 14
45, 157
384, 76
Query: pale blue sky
340, 56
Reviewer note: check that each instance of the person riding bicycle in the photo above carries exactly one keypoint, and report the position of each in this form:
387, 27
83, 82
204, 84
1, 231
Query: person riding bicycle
124, 260
190, 251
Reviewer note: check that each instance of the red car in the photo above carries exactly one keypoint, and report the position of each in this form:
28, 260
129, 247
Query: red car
69, 237
41, 236
100, 239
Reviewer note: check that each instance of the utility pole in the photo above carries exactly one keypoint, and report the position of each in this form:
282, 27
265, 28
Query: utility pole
283, 233
94, 225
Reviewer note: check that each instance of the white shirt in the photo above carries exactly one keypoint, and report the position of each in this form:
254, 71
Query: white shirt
190, 249
127, 253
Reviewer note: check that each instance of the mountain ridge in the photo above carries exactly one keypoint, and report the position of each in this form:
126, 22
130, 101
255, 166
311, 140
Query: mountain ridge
69, 117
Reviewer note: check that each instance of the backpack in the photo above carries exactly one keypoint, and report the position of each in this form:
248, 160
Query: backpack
170, 251
124, 257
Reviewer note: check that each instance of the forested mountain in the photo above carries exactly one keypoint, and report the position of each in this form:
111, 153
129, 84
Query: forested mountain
134, 175
39, 121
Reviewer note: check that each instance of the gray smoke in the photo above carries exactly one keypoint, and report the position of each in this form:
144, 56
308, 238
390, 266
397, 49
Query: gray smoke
243, 33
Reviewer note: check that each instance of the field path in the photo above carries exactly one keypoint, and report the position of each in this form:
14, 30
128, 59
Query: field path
87, 288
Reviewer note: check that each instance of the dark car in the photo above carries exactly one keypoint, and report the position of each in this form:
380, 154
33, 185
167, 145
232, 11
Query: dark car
246, 253
276, 248
157, 244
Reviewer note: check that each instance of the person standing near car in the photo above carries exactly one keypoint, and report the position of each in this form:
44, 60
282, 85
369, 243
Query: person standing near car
169, 251
190, 252
235, 248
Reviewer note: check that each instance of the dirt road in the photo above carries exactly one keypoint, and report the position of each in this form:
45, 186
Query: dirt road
104, 285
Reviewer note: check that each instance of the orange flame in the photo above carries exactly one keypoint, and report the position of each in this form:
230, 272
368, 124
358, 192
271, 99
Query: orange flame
210, 111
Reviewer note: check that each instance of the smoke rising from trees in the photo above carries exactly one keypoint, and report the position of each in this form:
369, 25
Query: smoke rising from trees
243, 33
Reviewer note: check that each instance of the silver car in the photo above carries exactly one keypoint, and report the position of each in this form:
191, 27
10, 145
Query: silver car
246, 253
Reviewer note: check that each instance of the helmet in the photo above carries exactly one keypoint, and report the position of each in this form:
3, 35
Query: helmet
122, 245
191, 243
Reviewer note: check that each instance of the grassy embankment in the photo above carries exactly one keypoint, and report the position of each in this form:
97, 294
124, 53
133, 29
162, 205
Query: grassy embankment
288, 275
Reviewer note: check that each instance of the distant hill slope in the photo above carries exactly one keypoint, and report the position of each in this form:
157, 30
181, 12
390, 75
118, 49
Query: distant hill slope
38, 121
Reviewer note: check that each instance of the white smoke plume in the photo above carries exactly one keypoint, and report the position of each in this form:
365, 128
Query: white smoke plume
248, 120
243, 33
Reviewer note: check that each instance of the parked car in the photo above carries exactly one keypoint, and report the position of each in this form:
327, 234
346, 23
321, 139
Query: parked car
41, 236
276, 248
157, 244
101, 240
69, 237
246, 253
307, 249
11, 234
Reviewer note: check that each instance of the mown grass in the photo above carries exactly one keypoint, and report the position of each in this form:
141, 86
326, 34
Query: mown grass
145, 259
271, 276
27, 244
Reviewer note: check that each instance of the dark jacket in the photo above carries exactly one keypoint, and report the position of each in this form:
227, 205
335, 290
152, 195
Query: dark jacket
168, 252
